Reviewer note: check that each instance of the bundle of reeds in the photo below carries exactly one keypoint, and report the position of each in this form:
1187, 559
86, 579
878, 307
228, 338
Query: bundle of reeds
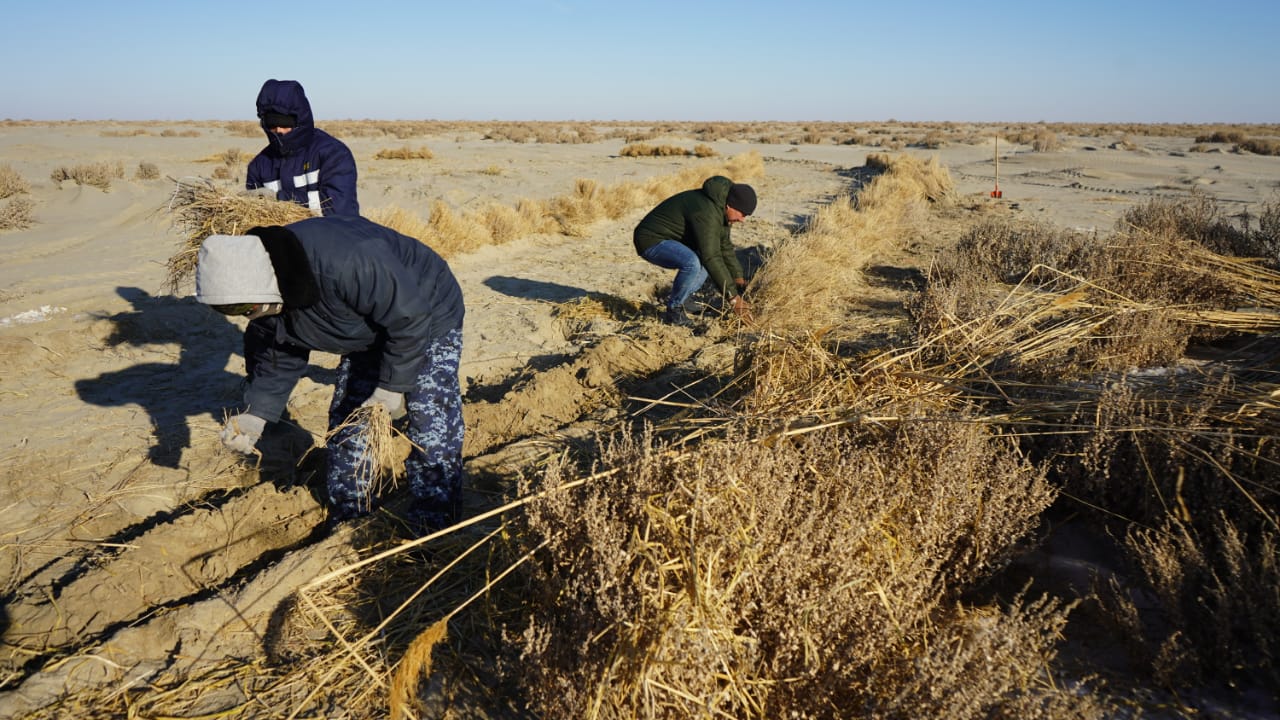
201, 208
384, 447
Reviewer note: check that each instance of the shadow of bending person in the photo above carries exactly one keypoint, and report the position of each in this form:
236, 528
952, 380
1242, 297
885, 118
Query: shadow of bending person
169, 392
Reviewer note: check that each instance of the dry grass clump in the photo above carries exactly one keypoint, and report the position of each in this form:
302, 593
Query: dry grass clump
383, 448
1261, 146
17, 214
201, 209
787, 580
810, 280
643, 150
1041, 138
98, 174
12, 183
147, 171
405, 153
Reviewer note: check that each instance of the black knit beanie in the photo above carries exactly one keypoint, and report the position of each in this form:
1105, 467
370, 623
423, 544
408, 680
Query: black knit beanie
742, 198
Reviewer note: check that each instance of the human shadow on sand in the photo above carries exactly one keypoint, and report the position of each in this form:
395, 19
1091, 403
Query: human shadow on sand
170, 393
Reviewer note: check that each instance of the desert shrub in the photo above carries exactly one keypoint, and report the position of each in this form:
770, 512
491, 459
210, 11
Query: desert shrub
147, 171
232, 156
405, 153
933, 139
244, 128
785, 580
131, 132
642, 150
1041, 138
1222, 136
1199, 219
12, 183
98, 174
222, 172
1261, 146
16, 214
1216, 597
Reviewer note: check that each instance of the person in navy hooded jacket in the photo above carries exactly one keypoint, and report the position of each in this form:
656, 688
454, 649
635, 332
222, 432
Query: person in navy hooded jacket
301, 163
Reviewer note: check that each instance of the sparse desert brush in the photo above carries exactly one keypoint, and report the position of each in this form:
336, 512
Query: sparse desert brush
244, 128
1199, 219
98, 174
1222, 136
12, 183
785, 579
1261, 146
1216, 611
643, 150
232, 156
16, 214
147, 171
405, 153
131, 132
222, 172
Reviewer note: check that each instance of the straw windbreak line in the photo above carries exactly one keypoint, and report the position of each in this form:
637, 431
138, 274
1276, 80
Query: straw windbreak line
450, 232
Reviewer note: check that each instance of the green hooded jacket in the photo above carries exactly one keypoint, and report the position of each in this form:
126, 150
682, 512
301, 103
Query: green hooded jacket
696, 218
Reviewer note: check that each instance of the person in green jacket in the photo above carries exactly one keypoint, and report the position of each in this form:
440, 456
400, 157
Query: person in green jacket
689, 233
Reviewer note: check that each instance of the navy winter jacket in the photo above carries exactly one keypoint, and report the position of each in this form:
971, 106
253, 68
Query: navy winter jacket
306, 165
375, 289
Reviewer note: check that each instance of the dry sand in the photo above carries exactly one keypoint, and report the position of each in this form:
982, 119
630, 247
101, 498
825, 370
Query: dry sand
117, 499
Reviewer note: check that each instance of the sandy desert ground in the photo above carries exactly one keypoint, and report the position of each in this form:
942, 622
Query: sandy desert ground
131, 543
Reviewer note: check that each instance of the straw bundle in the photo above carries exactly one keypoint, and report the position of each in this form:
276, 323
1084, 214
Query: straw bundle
385, 448
200, 209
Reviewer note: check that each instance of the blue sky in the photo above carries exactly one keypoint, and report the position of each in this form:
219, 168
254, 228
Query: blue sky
838, 60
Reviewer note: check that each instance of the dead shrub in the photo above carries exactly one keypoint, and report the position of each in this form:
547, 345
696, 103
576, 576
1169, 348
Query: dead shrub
783, 580
642, 150
98, 174
1261, 146
147, 171
405, 153
1217, 603
17, 214
12, 183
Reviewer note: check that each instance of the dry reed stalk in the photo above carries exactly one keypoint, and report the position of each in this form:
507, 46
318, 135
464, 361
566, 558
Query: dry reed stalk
200, 209
381, 463
414, 665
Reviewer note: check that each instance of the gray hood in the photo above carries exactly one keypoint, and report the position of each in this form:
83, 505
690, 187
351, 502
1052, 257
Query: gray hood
235, 269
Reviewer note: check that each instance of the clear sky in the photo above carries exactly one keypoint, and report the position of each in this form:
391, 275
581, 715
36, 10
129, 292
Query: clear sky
839, 60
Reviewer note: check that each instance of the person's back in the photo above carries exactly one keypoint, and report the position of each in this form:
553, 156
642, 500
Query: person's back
301, 162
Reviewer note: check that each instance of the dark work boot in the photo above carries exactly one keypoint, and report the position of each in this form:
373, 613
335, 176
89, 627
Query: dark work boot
676, 316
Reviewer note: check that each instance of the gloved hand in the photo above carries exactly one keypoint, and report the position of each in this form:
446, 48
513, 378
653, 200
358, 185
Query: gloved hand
241, 432
392, 401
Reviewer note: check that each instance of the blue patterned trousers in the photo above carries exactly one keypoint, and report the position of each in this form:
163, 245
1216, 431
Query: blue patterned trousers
434, 424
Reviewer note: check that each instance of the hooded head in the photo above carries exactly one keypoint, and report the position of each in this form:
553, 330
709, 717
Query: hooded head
235, 269
280, 99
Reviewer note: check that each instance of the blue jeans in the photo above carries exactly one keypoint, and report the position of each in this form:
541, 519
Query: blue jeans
690, 275
434, 465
